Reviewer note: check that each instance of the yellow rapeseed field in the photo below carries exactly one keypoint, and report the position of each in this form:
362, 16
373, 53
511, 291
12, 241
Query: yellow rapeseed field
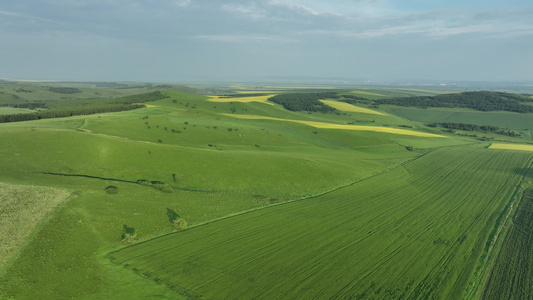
262, 99
341, 126
350, 108
512, 147
257, 92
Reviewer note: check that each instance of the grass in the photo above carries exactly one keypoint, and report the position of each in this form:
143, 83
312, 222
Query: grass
415, 231
343, 106
500, 119
13, 110
65, 259
22, 209
370, 207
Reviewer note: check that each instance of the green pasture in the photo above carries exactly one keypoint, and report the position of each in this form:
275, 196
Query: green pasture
13, 110
260, 164
417, 231
22, 208
30, 92
250, 190
501, 119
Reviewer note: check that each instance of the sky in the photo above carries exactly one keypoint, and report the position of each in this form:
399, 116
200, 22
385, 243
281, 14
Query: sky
184, 40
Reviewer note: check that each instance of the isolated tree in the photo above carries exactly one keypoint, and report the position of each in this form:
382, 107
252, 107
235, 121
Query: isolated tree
128, 234
172, 215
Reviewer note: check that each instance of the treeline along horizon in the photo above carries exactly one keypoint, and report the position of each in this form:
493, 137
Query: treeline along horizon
68, 108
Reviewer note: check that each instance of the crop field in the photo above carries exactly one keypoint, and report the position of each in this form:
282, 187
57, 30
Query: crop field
519, 147
512, 275
345, 127
417, 231
22, 208
349, 107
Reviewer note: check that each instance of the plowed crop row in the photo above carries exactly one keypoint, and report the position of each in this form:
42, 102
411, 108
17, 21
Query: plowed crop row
417, 231
512, 275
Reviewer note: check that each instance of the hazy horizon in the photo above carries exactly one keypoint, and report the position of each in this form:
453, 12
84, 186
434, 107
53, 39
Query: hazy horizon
195, 40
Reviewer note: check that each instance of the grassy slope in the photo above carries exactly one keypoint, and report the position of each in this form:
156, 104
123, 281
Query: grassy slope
65, 259
24, 92
500, 119
22, 208
416, 231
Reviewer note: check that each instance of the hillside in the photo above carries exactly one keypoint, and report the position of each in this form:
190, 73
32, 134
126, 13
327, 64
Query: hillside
237, 196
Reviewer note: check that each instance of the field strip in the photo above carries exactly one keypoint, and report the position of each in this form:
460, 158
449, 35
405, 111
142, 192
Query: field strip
520, 147
324, 125
366, 93
22, 208
261, 99
350, 108
430, 91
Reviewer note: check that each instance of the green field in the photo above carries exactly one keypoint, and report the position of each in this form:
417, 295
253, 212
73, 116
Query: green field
511, 276
499, 119
22, 208
402, 234
13, 110
279, 204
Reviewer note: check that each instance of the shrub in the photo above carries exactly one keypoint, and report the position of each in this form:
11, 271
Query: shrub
128, 234
111, 189
159, 185
144, 182
179, 224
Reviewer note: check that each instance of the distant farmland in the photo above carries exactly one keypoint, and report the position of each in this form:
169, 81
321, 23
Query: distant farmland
418, 231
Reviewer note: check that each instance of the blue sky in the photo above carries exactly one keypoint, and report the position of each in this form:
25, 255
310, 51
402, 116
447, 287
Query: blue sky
181, 40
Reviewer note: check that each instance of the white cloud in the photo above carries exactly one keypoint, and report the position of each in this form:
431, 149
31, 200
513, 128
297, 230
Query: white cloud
248, 11
293, 6
230, 38
182, 3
